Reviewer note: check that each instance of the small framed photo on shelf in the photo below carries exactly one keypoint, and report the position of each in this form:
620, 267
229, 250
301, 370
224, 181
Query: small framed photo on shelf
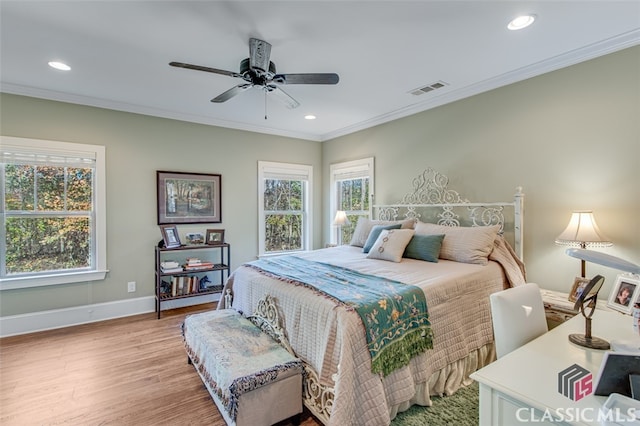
195, 238
215, 237
624, 293
578, 287
170, 236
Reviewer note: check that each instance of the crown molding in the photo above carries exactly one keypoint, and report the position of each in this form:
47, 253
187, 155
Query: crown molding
601, 48
611, 45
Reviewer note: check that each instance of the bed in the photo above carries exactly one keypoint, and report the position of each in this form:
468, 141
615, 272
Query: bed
474, 259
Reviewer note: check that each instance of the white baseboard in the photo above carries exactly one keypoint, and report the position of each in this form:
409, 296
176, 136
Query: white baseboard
57, 318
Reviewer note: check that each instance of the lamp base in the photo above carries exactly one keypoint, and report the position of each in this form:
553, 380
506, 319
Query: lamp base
589, 342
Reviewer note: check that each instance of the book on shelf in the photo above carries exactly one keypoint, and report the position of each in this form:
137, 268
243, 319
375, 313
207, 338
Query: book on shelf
171, 270
201, 265
169, 264
182, 285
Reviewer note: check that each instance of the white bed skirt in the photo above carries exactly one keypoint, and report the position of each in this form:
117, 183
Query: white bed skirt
448, 380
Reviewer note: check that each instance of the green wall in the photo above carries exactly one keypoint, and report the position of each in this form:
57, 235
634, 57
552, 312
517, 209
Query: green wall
136, 147
570, 138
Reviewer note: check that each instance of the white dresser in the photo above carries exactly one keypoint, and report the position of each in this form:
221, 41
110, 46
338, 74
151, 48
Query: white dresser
522, 386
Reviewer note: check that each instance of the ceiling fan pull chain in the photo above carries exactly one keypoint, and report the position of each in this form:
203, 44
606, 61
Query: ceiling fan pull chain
265, 104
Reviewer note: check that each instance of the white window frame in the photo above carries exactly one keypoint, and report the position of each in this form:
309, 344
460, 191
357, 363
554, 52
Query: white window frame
343, 171
99, 270
274, 170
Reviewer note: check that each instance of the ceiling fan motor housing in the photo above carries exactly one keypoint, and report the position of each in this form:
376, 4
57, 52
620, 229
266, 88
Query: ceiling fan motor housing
253, 75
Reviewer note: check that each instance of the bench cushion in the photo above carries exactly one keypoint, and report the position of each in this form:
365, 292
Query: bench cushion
234, 356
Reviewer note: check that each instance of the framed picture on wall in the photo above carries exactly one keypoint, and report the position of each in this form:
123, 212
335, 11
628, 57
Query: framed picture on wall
189, 197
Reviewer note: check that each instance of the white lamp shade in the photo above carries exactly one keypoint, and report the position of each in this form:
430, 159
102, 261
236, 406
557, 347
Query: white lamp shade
583, 231
341, 218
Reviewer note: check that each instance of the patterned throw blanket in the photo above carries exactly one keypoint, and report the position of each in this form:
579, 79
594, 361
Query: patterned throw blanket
394, 314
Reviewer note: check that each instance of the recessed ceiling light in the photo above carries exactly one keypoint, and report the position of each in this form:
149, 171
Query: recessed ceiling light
521, 22
310, 117
59, 65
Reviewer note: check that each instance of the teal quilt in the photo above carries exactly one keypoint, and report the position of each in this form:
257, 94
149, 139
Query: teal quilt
394, 314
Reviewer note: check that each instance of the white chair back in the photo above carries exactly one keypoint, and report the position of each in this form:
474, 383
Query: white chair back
518, 317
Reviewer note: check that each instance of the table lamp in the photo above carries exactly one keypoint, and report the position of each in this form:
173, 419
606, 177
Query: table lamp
590, 294
582, 231
340, 220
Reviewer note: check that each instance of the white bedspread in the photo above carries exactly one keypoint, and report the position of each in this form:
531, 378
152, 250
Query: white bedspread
331, 339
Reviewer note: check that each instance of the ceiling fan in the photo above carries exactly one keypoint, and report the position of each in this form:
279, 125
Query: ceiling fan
258, 71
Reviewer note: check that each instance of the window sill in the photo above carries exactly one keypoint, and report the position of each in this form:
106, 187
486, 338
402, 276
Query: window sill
46, 280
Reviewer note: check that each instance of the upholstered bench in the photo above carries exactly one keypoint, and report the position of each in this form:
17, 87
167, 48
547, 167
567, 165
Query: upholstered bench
252, 378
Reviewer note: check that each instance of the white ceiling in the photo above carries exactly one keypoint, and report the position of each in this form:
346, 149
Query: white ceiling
119, 53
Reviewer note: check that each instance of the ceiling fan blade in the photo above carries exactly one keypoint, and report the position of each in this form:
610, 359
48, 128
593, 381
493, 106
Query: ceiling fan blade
259, 53
327, 78
206, 69
282, 96
231, 93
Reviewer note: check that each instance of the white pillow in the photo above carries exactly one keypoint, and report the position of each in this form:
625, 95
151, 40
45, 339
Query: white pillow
364, 225
390, 244
461, 243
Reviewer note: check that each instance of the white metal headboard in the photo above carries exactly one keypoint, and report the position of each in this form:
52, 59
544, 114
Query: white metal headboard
432, 201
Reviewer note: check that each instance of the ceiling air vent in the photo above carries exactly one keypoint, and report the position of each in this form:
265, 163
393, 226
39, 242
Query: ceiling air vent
428, 88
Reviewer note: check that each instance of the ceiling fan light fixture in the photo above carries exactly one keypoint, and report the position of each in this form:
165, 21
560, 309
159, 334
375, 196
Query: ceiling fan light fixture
59, 65
310, 117
521, 22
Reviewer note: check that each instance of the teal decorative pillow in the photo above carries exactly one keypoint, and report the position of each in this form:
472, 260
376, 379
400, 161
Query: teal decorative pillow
374, 233
364, 225
424, 247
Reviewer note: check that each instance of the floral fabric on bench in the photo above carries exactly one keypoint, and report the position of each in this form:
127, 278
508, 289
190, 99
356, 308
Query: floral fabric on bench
234, 356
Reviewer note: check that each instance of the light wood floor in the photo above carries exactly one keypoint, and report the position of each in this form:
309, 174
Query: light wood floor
128, 371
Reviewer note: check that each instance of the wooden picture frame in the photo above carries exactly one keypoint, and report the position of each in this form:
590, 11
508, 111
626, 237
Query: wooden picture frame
215, 237
578, 286
188, 197
170, 236
625, 293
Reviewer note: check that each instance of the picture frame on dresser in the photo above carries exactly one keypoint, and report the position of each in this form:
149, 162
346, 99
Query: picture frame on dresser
578, 286
188, 197
625, 293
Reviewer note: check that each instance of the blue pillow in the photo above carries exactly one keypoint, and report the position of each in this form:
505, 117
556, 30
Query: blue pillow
375, 233
424, 247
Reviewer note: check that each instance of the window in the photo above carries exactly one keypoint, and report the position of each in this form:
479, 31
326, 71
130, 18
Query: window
351, 191
284, 203
52, 212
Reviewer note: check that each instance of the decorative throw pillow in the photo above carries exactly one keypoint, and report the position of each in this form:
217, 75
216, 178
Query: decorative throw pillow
364, 225
375, 232
424, 247
391, 244
461, 243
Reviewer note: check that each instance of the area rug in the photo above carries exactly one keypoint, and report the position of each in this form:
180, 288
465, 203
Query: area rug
460, 409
